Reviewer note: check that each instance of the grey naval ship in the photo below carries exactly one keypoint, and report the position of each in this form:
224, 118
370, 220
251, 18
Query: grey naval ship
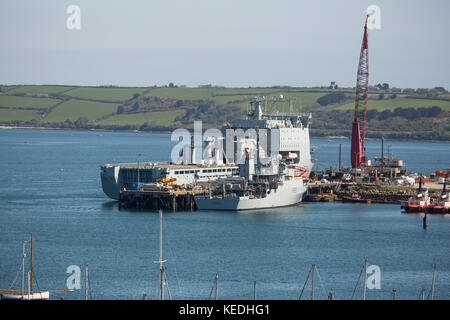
280, 179
273, 170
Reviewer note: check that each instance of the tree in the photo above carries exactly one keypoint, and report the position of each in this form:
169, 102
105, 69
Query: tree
136, 106
144, 126
331, 98
120, 110
385, 114
81, 122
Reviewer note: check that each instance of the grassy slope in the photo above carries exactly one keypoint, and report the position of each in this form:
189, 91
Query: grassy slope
16, 114
181, 93
241, 96
108, 94
26, 102
159, 118
73, 109
391, 104
39, 89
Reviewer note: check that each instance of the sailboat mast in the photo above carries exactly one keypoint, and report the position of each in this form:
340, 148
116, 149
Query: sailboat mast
161, 269
29, 288
366, 261
87, 283
31, 268
23, 267
432, 282
217, 287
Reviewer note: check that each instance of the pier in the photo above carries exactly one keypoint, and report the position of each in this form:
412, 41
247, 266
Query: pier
168, 200
182, 199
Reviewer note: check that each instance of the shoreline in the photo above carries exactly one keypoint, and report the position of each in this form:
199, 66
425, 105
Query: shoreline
168, 132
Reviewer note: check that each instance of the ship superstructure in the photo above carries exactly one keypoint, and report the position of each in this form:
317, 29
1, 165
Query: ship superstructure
276, 163
116, 177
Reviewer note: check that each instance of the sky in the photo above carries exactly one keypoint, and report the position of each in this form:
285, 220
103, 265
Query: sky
233, 43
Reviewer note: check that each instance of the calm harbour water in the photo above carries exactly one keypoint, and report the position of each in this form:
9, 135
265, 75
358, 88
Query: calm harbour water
50, 186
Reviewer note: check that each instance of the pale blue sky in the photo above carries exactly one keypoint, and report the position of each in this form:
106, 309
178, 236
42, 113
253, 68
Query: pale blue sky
231, 43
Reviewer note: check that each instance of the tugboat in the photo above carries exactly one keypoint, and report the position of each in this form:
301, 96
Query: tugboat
419, 203
442, 205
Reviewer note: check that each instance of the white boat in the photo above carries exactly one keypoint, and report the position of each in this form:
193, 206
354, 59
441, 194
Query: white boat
43, 295
116, 177
28, 293
287, 194
271, 176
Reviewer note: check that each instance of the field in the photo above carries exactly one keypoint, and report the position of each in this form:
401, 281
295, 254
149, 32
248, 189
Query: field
74, 109
381, 105
26, 102
146, 108
17, 114
241, 96
157, 118
107, 94
39, 89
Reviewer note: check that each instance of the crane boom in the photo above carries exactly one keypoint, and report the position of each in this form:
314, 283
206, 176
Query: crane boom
362, 89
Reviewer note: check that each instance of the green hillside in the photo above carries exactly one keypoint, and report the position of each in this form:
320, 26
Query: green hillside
416, 114
109, 94
74, 109
26, 102
391, 104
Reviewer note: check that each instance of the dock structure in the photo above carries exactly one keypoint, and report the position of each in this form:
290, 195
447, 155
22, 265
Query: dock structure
168, 200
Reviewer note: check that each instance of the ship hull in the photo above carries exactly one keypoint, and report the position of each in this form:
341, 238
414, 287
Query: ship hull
115, 178
415, 208
288, 194
439, 209
43, 295
110, 184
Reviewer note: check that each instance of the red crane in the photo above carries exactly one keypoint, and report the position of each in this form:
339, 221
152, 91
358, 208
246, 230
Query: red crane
362, 88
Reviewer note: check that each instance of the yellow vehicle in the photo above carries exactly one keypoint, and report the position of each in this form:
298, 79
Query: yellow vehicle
167, 181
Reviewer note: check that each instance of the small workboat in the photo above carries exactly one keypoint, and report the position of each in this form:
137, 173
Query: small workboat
442, 204
420, 203
356, 198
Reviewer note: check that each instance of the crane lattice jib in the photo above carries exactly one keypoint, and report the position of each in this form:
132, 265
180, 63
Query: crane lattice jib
362, 83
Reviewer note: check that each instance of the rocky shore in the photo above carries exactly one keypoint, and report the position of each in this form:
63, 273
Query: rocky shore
375, 193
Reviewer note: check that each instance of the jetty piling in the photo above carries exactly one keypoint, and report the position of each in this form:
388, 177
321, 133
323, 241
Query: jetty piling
168, 200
